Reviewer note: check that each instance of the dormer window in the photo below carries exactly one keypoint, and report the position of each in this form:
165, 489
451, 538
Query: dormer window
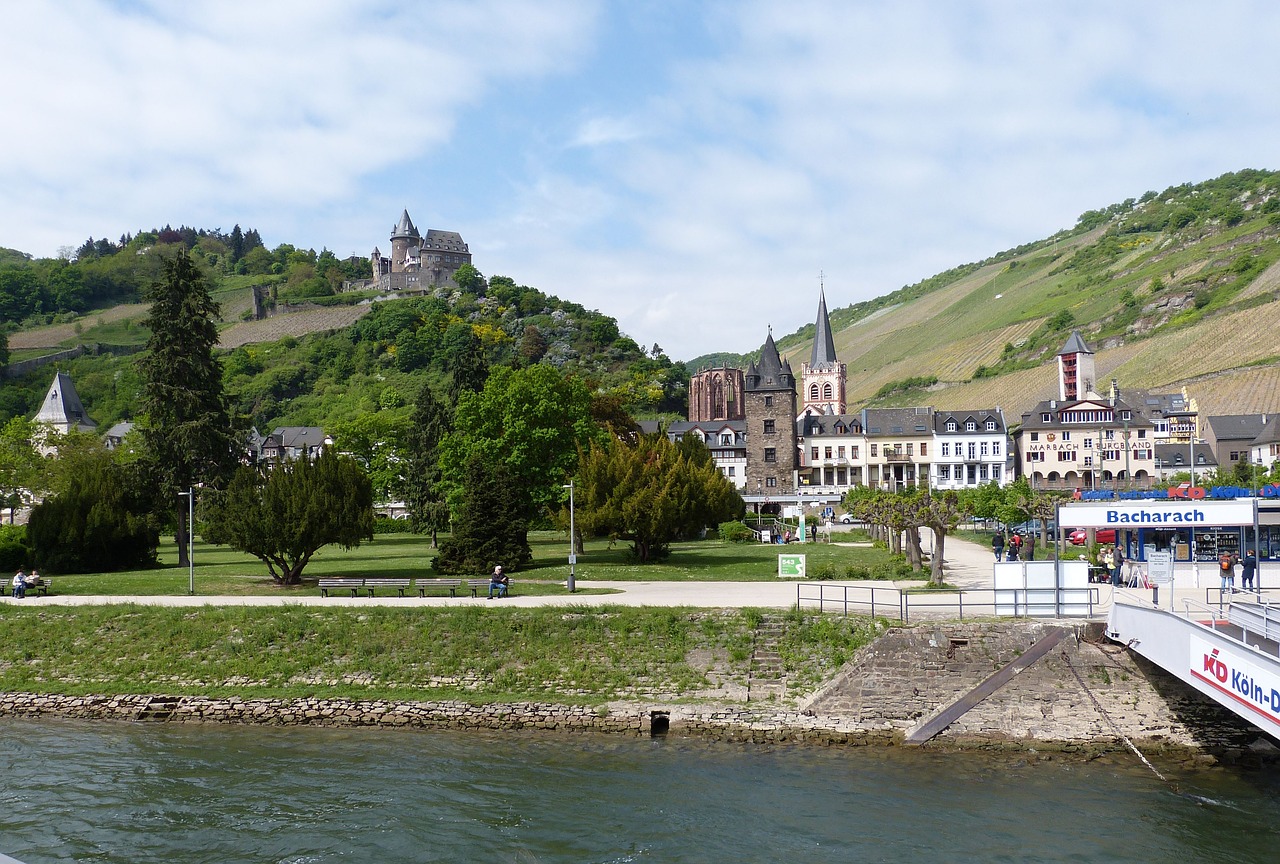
1046, 417
970, 426
951, 425
991, 426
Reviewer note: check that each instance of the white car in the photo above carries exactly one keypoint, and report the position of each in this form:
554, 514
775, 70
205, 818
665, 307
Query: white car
846, 519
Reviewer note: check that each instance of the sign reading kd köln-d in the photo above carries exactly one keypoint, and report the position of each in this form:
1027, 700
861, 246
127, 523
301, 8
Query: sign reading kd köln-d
1157, 514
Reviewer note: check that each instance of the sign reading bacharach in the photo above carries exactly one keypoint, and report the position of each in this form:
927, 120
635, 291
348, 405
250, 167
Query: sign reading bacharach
1232, 674
1158, 514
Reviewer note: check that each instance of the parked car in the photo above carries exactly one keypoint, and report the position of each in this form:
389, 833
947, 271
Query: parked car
1031, 526
846, 519
1079, 536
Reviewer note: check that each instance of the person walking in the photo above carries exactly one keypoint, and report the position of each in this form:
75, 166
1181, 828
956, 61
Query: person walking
1117, 564
1227, 568
1248, 570
997, 544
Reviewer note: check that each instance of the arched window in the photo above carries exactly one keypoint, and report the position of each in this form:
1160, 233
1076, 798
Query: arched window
813, 393
826, 391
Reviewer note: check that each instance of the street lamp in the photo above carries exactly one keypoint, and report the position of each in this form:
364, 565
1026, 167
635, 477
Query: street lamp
573, 551
190, 495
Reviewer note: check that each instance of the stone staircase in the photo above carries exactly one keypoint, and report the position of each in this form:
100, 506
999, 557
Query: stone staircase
765, 678
157, 708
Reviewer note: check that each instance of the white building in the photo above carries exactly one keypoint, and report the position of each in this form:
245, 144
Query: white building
970, 449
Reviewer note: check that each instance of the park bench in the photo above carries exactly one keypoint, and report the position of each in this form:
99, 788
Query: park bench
451, 584
354, 585
477, 585
42, 586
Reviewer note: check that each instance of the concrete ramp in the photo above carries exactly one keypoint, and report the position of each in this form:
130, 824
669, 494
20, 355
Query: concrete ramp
953, 711
1229, 655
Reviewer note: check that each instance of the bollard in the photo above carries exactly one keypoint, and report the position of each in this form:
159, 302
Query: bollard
1155, 595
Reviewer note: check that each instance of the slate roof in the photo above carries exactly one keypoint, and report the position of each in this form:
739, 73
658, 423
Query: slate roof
444, 241
1179, 456
772, 372
404, 228
1270, 433
980, 416
891, 422
62, 407
828, 424
1054, 407
1075, 345
1237, 427
824, 347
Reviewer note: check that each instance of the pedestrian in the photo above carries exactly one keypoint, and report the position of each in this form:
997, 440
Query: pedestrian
1016, 540
19, 585
1117, 563
1248, 569
1029, 548
498, 582
1108, 559
997, 544
1011, 552
1227, 569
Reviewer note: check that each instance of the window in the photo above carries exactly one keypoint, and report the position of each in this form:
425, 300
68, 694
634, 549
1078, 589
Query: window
951, 425
924, 448
911, 449
855, 451
991, 426
771, 482
946, 449
1046, 418
768, 427
813, 454
840, 451
813, 393
874, 447
726, 439
1066, 455
983, 450
944, 472
826, 453
1066, 436
995, 448
1035, 436
1088, 460
973, 450
995, 473
970, 426
1088, 443
770, 454
730, 470
1142, 433
982, 472
768, 401
827, 392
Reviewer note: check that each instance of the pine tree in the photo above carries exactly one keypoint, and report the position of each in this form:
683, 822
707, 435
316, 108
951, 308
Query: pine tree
431, 421
186, 424
490, 528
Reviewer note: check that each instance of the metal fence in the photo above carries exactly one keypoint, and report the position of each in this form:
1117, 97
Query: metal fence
956, 603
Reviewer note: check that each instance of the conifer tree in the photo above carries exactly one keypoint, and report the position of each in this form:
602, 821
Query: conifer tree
186, 423
430, 423
490, 527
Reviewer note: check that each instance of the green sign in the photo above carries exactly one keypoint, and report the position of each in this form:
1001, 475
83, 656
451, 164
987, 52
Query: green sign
790, 566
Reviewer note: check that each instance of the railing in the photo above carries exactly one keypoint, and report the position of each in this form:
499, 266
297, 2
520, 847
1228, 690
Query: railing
1223, 593
898, 457
893, 602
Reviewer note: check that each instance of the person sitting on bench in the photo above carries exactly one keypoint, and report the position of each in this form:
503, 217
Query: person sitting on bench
499, 582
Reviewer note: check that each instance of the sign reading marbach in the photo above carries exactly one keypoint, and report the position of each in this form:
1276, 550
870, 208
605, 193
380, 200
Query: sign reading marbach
1232, 674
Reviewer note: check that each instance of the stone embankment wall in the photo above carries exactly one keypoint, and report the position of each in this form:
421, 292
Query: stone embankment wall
1082, 697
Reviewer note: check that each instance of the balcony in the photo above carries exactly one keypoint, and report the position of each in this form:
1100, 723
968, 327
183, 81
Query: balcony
899, 457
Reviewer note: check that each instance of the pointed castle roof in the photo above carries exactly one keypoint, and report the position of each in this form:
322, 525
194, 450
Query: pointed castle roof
824, 347
62, 409
404, 228
772, 372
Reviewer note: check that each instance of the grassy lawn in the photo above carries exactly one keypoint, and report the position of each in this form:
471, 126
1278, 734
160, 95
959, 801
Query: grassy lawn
577, 655
221, 571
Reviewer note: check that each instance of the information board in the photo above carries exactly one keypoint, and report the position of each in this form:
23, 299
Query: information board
791, 567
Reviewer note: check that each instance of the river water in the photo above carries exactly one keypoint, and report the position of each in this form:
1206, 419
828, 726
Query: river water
110, 792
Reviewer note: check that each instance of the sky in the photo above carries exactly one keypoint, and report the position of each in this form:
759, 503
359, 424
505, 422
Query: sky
696, 170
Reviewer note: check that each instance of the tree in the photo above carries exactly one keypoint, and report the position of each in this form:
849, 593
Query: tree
283, 516
98, 519
533, 421
430, 422
20, 465
490, 528
941, 514
462, 354
186, 421
651, 492
469, 279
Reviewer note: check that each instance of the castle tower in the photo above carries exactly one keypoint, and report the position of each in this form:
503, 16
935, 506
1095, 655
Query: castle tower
404, 237
1076, 373
769, 403
823, 378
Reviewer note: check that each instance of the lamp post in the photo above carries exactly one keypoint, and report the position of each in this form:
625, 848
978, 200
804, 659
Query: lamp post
190, 495
571, 584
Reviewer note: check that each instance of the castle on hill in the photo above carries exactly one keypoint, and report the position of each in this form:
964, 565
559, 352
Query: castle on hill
418, 261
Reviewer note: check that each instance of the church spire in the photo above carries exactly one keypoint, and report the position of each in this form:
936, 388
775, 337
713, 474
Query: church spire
824, 347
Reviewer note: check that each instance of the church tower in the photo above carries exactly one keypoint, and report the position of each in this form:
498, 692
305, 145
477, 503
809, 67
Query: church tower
1076, 373
769, 401
823, 378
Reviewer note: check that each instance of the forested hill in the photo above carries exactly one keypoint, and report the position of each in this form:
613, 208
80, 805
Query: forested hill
350, 362
1172, 289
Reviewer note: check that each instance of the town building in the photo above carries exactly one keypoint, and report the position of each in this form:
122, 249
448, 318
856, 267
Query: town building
416, 261
726, 439
833, 452
970, 449
1174, 459
1083, 441
769, 402
1230, 436
288, 443
1264, 451
899, 446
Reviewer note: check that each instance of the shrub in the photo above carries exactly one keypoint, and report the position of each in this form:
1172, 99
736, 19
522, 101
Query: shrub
387, 525
735, 532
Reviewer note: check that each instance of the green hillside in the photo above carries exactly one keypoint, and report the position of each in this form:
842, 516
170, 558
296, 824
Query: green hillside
1172, 289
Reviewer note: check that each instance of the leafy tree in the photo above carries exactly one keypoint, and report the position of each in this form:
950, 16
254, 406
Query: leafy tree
533, 421
651, 493
186, 422
463, 355
282, 516
378, 442
941, 514
430, 423
490, 527
20, 465
469, 279
98, 519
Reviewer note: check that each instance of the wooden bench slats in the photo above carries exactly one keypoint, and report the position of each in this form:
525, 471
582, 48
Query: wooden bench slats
355, 584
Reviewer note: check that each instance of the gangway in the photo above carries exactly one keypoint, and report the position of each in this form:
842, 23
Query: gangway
1231, 653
